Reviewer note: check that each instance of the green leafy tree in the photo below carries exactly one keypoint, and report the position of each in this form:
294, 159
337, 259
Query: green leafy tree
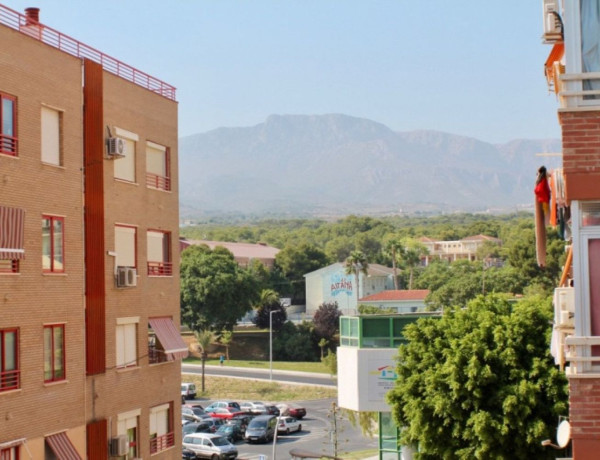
295, 261
268, 302
479, 383
355, 264
215, 291
295, 343
393, 247
339, 248
412, 252
226, 339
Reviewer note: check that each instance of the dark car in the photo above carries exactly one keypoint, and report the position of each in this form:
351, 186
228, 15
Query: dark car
270, 409
197, 427
261, 429
187, 454
232, 432
241, 421
193, 414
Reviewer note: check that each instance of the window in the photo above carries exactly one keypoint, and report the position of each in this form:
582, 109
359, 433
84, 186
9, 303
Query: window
127, 424
9, 453
157, 166
51, 136
124, 167
54, 353
8, 124
161, 431
126, 342
53, 244
159, 253
125, 246
9, 359
12, 223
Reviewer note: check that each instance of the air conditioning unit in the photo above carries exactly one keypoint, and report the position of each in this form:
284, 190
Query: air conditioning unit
553, 26
564, 306
119, 446
126, 277
115, 147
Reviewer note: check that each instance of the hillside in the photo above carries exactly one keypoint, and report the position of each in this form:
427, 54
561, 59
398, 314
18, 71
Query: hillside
335, 165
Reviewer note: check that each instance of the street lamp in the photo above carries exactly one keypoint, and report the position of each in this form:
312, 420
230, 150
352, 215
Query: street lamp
271, 344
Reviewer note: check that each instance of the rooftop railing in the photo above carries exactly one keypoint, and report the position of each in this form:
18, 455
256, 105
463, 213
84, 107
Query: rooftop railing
51, 37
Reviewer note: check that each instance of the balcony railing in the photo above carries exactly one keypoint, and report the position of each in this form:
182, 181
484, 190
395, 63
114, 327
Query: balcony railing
162, 442
570, 97
156, 356
75, 48
8, 145
583, 355
10, 380
160, 268
159, 182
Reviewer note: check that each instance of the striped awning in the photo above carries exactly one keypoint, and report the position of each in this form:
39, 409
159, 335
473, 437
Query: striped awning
12, 223
62, 447
169, 337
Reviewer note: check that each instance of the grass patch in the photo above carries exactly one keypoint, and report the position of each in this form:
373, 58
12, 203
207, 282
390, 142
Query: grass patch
316, 367
247, 390
360, 454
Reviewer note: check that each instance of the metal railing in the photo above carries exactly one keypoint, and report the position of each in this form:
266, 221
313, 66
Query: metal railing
158, 182
583, 354
10, 380
160, 268
51, 37
162, 442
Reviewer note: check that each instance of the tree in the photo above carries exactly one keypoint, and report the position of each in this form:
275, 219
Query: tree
297, 260
268, 302
479, 382
411, 256
226, 339
355, 264
393, 246
326, 320
215, 291
204, 339
294, 343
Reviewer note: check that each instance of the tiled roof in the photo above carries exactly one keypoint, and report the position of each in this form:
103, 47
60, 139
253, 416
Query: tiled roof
480, 238
414, 294
242, 250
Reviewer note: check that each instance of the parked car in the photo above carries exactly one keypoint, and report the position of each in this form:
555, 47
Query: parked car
188, 391
271, 409
222, 412
214, 423
198, 427
261, 429
187, 454
240, 420
222, 405
293, 410
253, 407
232, 432
208, 445
288, 424
193, 414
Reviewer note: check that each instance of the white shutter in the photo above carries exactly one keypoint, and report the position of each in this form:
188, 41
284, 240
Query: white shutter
125, 246
50, 136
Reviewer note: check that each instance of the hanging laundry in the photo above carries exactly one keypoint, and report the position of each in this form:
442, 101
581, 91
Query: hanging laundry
542, 214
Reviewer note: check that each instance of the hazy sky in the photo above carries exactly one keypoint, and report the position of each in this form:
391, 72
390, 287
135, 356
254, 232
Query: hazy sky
473, 68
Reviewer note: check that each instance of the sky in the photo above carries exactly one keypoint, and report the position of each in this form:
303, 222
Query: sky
466, 67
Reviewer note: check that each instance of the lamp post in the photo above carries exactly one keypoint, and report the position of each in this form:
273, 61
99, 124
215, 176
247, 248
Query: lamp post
271, 344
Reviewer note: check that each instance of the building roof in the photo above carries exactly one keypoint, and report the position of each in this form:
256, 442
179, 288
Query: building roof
481, 238
242, 250
373, 270
396, 295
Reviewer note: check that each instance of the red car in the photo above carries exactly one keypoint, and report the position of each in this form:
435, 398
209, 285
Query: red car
293, 410
224, 413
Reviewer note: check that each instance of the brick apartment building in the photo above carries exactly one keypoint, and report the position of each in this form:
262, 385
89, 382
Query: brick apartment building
573, 71
89, 284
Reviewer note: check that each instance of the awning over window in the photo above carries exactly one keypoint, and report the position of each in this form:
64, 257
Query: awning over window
12, 223
170, 338
553, 68
62, 447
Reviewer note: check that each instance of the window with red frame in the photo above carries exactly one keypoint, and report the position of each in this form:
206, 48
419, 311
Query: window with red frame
9, 453
53, 244
159, 253
54, 352
8, 124
9, 360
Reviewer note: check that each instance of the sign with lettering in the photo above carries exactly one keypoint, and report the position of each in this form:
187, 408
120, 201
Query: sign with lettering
341, 284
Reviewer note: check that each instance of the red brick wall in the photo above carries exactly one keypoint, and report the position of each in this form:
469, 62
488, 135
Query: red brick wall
584, 416
581, 154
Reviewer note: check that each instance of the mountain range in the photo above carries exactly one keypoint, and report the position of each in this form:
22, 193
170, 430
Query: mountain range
334, 165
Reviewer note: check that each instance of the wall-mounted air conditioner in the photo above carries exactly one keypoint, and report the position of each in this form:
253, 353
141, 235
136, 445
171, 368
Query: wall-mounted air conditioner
115, 147
119, 446
553, 26
126, 277
564, 306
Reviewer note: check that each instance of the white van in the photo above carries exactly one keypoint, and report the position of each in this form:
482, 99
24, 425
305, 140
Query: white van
188, 391
208, 445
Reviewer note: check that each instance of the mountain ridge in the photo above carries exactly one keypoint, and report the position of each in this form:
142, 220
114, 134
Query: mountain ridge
324, 164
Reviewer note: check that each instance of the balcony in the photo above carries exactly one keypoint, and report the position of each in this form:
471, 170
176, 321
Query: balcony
163, 442
158, 182
156, 355
160, 269
10, 380
583, 353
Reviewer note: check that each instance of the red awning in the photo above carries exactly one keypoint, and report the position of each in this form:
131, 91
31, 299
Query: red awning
62, 447
170, 338
12, 222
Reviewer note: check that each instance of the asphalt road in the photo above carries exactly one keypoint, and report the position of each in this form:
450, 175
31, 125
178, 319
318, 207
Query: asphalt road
290, 377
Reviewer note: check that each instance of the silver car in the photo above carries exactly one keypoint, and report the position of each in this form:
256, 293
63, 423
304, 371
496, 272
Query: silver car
210, 445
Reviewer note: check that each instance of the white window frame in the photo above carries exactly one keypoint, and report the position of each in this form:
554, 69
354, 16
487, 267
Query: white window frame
126, 341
